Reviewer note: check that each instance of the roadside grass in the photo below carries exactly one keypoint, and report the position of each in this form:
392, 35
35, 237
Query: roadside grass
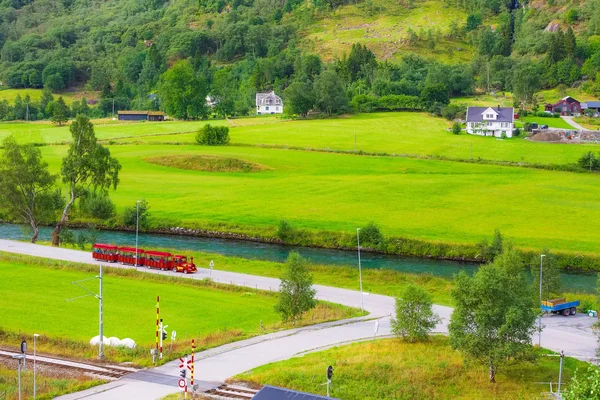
212, 313
393, 368
591, 123
436, 201
49, 384
382, 26
34, 94
558, 123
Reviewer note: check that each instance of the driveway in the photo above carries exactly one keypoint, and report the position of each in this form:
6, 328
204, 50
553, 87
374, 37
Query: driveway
569, 120
571, 334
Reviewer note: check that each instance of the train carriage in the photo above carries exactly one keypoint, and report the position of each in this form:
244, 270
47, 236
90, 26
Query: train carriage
127, 256
159, 260
105, 252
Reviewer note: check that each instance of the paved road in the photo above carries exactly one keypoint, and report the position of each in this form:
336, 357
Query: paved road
570, 121
572, 334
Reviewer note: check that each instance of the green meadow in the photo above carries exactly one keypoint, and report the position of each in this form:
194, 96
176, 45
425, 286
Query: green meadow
395, 369
404, 133
432, 200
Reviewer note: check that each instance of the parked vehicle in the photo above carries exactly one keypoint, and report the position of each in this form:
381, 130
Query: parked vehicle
543, 126
105, 252
149, 259
560, 306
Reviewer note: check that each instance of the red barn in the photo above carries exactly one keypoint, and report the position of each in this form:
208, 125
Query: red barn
565, 106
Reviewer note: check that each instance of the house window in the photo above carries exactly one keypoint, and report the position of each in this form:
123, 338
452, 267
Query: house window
267, 108
276, 108
489, 124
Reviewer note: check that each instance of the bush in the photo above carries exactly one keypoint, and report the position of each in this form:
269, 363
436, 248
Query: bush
517, 132
97, 205
589, 161
285, 231
130, 215
456, 128
453, 111
542, 114
213, 135
371, 236
363, 103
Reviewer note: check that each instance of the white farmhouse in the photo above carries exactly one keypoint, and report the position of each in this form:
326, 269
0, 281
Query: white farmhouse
268, 103
490, 121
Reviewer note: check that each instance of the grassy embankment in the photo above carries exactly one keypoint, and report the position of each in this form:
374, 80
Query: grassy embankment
392, 368
36, 94
211, 313
49, 384
552, 122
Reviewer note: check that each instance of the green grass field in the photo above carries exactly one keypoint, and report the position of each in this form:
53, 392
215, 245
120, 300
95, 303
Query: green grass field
550, 121
405, 133
431, 200
394, 369
36, 94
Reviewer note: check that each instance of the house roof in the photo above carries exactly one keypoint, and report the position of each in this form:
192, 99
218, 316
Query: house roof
590, 104
268, 99
276, 393
132, 112
569, 100
505, 114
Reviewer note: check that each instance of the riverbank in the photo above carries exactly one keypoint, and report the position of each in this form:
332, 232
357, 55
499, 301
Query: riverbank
397, 246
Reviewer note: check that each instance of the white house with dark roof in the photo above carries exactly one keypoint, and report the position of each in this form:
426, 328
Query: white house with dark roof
490, 121
268, 103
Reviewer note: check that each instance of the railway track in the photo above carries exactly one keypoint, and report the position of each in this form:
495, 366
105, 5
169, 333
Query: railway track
226, 391
101, 371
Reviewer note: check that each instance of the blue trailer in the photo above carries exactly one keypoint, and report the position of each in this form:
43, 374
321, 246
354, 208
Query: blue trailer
566, 309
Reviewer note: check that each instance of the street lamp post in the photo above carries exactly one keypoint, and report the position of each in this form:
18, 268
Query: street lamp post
540, 317
35, 336
359, 268
20, 358
137, 228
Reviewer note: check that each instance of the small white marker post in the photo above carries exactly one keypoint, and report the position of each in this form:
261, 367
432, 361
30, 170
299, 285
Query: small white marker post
376, 329
211, 266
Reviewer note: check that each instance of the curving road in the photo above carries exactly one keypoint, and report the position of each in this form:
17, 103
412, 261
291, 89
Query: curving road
571, 334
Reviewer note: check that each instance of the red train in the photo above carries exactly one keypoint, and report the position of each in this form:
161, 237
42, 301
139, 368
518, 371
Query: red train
149, 259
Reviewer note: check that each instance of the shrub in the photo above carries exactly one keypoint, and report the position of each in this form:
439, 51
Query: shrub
131, 214
453, 111
371, 236
296, 292
285, 231
97, 205
584, 385
363, 103
213, 135
456, 128
517, 132
589, 161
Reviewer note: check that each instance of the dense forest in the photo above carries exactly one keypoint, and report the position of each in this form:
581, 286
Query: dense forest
171, 55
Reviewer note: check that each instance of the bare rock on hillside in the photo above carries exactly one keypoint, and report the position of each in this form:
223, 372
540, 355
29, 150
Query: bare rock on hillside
552, 27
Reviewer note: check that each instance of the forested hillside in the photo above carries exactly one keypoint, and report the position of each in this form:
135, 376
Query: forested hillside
328, 55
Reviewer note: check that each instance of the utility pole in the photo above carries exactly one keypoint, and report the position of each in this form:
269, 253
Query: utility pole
137, 228
540, 317
35, 336
359, 268
113, 110
100, 319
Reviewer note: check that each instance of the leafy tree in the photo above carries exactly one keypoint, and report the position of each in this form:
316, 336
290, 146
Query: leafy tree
432, 94
330, 96
97, 205
526, 82
88, 165
133, 214
213, 135
59, 111
414, 314
183, 92
25, 184
46, 99
299, 98
551, 281
494, 317
473, 21
584, 385
296, 292
80, 107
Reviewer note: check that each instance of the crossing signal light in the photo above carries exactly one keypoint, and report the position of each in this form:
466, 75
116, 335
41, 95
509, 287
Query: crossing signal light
182, 373
164, 336
329, 372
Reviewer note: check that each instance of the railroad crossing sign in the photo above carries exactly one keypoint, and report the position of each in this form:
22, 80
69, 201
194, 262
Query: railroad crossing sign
185, 363
182, 383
